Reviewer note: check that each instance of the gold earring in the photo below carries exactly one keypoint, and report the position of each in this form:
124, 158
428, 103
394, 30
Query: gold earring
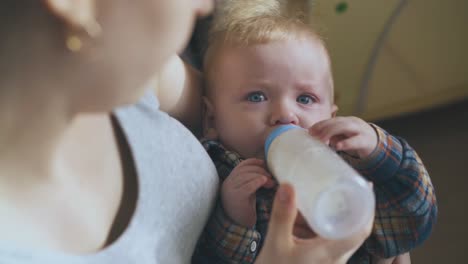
74, 42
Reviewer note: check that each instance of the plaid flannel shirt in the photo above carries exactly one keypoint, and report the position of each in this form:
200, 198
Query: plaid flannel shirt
406, 207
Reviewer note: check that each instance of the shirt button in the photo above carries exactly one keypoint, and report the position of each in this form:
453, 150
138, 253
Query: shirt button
253, 246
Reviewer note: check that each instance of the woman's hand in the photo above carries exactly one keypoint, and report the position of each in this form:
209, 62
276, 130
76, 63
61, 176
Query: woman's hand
281, 246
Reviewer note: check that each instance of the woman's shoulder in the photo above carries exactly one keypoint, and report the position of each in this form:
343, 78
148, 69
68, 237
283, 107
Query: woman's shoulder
177, 180
154, 135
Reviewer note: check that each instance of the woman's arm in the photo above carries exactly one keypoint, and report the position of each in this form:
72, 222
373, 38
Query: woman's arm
179, 90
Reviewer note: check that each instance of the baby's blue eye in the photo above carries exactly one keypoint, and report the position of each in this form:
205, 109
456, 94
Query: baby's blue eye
305, 99
256, 97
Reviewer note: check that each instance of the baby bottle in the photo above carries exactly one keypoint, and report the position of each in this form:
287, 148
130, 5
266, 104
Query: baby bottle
333, 198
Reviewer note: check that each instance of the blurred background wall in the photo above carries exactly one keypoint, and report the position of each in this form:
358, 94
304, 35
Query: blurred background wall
404, 65
393, 57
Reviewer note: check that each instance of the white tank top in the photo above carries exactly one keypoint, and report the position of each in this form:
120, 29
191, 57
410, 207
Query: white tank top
177, 185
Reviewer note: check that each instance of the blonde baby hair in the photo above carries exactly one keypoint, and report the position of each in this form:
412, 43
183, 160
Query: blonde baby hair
249, 22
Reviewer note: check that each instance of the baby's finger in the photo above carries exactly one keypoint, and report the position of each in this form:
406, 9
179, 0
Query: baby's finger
251, 161
352, 144
241, 179
250, 168
256, 182
334, 140
270, 183
317, 128
340, 128
239, 176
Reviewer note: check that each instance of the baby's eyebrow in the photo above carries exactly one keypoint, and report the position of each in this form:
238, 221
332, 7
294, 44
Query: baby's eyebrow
309, 86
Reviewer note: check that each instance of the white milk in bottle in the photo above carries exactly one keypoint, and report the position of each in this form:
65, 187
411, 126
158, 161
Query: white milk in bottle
334, 199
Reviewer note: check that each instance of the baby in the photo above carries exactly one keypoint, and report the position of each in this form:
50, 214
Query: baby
265, 67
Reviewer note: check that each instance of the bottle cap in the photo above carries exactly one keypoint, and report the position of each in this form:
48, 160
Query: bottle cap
275, 133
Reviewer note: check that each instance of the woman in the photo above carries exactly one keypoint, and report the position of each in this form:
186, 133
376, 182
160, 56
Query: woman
80, 184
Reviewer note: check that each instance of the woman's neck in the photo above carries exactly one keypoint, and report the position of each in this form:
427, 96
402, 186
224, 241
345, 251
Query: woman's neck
44, 139
31, 127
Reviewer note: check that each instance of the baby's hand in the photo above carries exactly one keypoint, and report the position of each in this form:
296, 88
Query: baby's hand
239, 188
349, 134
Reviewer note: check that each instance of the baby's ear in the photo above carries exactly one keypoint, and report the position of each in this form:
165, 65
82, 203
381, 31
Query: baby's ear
334, 110
209, 126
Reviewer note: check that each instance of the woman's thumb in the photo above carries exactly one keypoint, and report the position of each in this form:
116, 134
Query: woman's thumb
283, 216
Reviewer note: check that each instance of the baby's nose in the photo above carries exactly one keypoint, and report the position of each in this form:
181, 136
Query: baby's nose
284, 116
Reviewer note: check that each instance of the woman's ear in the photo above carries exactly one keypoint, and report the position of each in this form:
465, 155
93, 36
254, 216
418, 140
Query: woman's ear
209, 127
78, 14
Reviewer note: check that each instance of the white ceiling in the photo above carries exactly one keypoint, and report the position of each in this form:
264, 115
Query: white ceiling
392, 57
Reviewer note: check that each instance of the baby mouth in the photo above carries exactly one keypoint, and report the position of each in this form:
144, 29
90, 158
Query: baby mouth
260, 155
